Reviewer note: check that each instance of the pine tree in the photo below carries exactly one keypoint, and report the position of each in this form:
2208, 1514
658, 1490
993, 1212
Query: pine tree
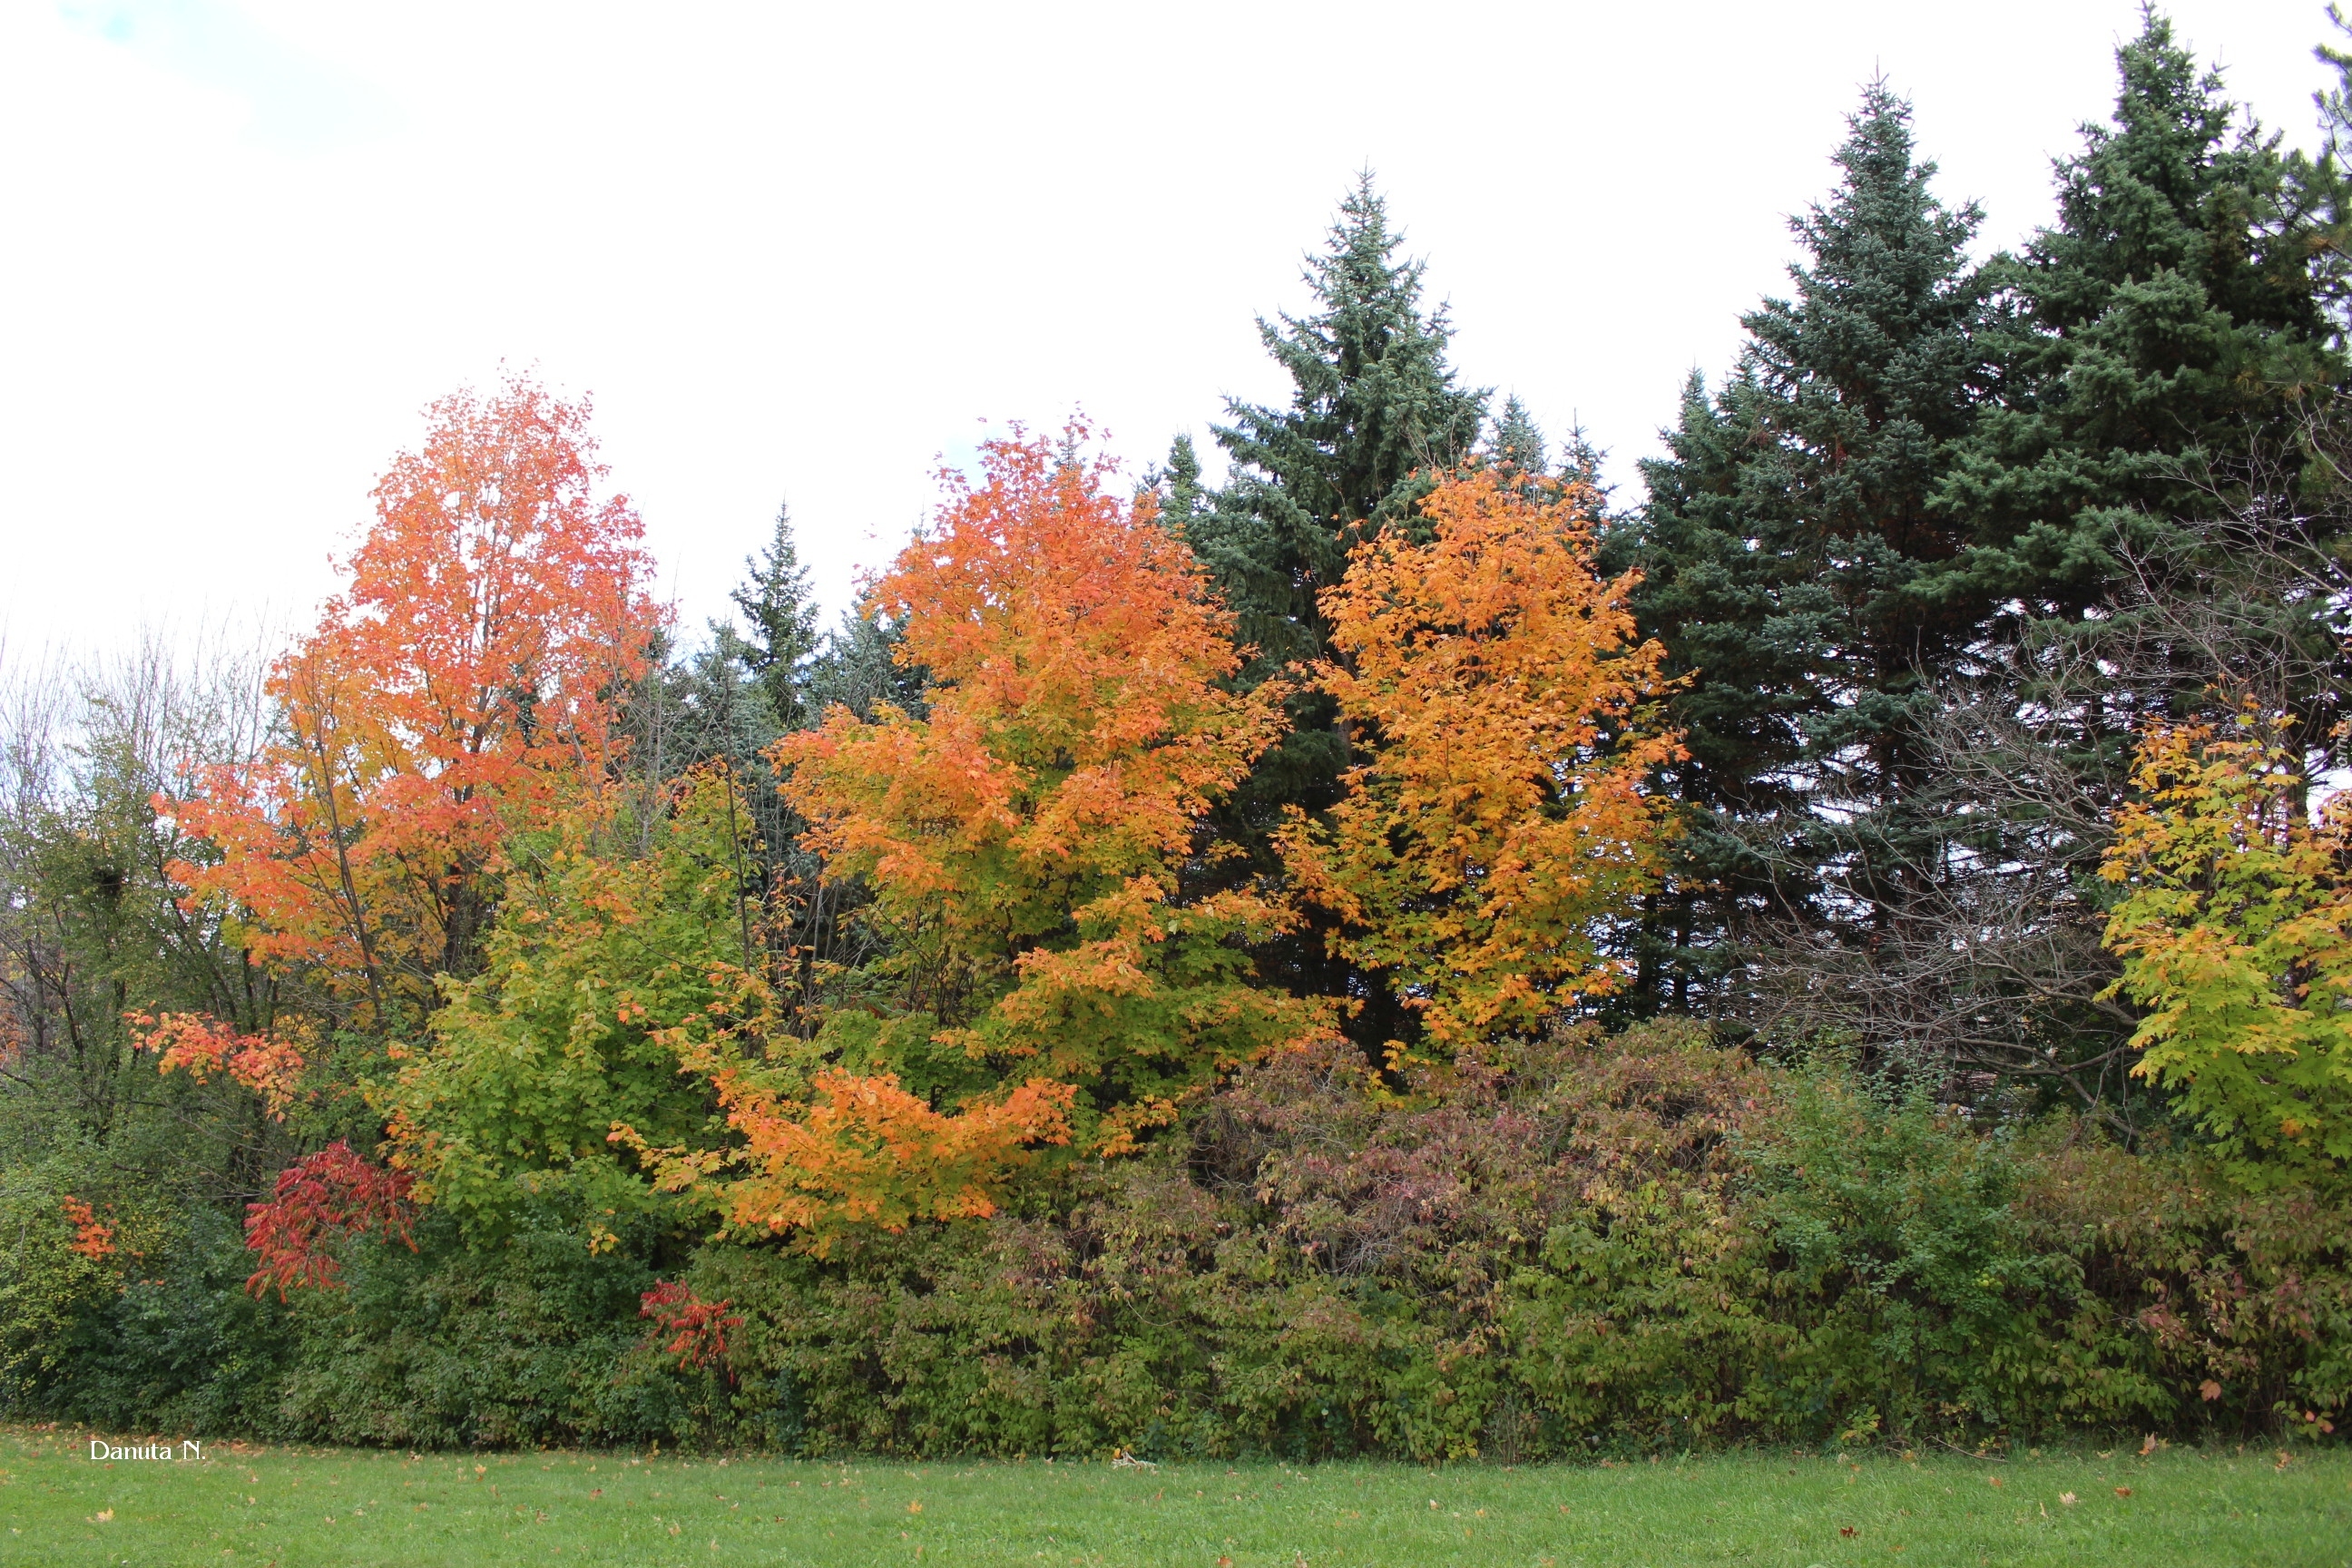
859, 669
1786, 543
1374, 414
2149, 337
1182, 497
1518, 441
780, 605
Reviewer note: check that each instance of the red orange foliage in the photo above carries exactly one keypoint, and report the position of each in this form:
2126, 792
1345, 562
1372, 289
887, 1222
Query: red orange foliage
326, 1196
1077, 729
700, 1327
93, 1237
202, 1047
1499, 817
494, 606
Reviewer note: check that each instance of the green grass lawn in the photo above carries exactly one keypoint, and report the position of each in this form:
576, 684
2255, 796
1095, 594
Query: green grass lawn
296, 1507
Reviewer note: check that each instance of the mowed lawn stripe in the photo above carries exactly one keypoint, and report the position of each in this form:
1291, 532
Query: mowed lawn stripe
295, 1507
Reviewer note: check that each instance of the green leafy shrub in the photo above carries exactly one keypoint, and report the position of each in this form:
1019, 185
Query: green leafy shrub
2206, 1308
185, 1348
1586, 1242
536, 1339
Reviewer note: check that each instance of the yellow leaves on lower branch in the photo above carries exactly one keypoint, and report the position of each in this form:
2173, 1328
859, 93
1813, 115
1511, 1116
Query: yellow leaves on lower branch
862, 1152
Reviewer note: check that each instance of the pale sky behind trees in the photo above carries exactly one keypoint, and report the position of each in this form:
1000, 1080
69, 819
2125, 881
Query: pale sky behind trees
802, 250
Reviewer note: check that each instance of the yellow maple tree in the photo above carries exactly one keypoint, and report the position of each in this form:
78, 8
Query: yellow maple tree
1497, 821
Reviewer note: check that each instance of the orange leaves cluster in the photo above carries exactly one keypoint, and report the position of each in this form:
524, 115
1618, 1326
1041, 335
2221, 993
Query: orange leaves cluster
202, 1047
1076, 728
93, 1237
1499, 819
494, 606
325, 1199
864, 1153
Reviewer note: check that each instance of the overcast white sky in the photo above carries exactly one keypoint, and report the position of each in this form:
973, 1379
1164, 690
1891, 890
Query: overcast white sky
799, 250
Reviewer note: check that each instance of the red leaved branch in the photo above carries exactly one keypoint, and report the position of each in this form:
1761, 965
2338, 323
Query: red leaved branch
700, 1327
329, 1194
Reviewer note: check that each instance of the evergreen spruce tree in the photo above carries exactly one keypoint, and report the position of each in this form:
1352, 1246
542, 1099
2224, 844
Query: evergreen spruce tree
1374, 412
1790, 547
1182, 496
1518, 441
2150, 336
859, 670
780, 607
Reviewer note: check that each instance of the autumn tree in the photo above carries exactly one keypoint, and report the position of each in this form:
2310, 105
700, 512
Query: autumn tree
2235, 932
1022, 838
1499, 822
495, 609
620, 948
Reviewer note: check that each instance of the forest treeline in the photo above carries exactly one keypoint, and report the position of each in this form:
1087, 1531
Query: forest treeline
1402, 951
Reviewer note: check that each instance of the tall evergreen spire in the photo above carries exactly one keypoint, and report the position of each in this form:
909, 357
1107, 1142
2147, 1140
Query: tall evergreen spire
780, 607
1787, 538
1373, 411
2167, 316
1518, 441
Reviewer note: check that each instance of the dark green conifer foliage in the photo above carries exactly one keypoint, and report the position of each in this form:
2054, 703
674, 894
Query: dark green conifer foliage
1374, 414
1789, 537
1518, 441
1374, 411
780, 607
859, 670
1182, 496
2148, 338
2321, 187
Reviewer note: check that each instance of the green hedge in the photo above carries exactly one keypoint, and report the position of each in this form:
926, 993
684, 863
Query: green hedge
1589, 1244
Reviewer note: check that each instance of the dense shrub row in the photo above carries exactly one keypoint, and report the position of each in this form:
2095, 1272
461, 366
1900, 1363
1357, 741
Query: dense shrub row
1576, 1245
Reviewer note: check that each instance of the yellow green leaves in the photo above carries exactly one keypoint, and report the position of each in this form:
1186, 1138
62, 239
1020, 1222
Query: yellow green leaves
2235, 933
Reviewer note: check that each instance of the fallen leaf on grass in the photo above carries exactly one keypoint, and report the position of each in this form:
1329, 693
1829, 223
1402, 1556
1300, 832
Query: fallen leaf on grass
2123, 1491
2066, 1498
1846, 1530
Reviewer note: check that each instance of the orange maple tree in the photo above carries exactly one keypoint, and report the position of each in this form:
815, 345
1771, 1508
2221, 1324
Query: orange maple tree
1499, 818
494, 609
1022, 838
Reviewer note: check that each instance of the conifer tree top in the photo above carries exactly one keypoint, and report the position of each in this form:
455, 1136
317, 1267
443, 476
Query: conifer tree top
1373, 398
